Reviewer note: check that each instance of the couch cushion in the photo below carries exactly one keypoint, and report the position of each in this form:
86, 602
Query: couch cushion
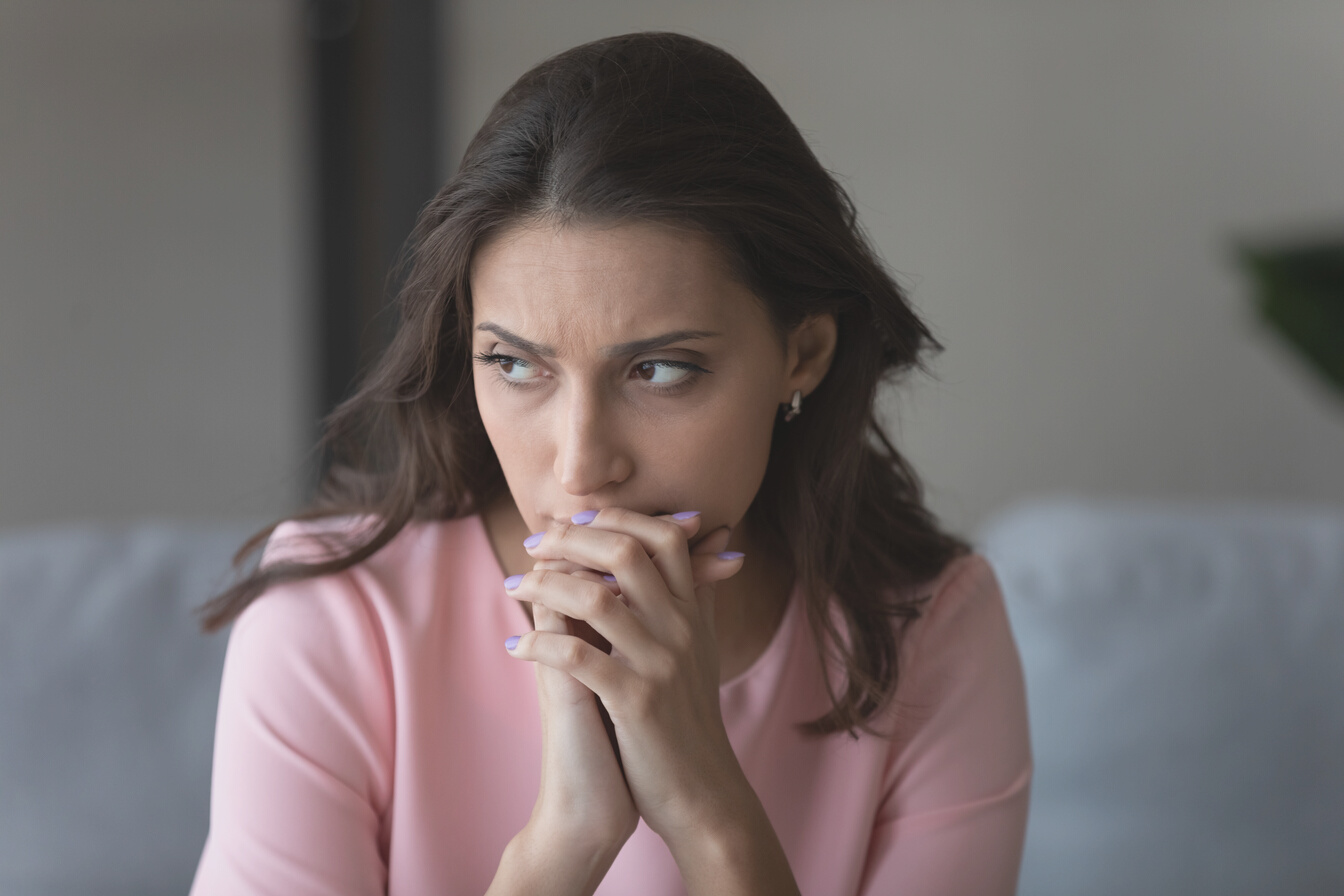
1185, 676
107, 705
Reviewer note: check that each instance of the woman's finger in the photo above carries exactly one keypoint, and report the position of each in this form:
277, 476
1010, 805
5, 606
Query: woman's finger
585, 600
641, 551
588, 665
707, 567
714, 542
576, 569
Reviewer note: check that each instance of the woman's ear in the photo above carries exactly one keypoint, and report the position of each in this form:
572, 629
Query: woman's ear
811, 347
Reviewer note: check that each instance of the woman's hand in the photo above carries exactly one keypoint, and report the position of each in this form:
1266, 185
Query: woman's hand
660, 682
584, 812
583, 806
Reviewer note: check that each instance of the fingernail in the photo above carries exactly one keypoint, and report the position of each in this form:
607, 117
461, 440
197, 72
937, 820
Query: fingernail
686, 515
533, 540
609, 578
731, 555
511, 643
512, 582
584, 517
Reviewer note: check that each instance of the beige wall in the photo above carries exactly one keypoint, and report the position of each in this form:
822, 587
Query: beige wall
153, 359
1058, 182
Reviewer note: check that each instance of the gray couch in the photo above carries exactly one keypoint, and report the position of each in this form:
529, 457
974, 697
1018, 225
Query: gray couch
1185, 680
107, 706
1185, 670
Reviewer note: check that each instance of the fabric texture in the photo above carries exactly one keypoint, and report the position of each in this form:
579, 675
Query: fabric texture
373, 736
1185, 664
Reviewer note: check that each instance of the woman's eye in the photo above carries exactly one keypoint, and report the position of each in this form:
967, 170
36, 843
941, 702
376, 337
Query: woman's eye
516, 369
662, 372
667, 375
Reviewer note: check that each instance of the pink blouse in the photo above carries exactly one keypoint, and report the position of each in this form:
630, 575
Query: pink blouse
374, 737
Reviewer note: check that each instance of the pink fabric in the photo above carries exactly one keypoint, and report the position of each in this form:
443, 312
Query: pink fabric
375, 737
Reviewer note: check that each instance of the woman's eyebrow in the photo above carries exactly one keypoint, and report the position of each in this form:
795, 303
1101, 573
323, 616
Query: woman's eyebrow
614, 351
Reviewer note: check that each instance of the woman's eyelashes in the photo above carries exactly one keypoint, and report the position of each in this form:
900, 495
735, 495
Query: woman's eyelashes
505, 366
666, 376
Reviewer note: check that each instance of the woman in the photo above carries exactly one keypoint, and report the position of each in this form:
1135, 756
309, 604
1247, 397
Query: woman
615, 585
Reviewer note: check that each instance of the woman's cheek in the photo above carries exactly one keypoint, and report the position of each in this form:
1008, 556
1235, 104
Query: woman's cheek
738, 454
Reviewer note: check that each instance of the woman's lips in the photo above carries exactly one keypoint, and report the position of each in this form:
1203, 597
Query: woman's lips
565, 519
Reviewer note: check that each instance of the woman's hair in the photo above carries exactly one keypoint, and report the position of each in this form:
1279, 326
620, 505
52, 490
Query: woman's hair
657, 127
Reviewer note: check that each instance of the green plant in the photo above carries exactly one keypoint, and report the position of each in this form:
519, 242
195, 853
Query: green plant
1299, 294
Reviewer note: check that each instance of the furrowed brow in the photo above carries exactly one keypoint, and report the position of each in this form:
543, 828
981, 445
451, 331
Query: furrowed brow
614, 351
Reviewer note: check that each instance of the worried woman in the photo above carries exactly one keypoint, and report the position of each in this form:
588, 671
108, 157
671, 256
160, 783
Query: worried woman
615, 585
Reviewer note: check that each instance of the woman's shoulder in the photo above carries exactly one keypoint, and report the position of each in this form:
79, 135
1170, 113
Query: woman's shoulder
344, 629
961, 603
962, 633
966, 593
960, 710
307, 679
405, 573
327, 537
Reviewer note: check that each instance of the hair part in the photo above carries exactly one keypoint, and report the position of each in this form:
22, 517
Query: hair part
664, 128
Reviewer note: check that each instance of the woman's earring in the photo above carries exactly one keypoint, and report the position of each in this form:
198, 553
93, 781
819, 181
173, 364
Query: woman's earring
795, 406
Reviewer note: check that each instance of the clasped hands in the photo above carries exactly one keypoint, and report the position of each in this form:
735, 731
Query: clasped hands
659, 683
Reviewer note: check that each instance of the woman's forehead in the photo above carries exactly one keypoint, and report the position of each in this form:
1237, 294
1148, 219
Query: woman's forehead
564, 284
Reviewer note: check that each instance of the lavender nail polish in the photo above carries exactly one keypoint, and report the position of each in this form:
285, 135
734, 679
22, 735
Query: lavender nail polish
609, 578
686, 515
533, 540
731, 555
513, 582
584, 517
511, 643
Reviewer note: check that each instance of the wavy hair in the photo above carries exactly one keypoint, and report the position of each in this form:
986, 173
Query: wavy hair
657, 127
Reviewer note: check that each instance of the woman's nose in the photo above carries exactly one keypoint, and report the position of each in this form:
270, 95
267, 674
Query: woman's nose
588, 453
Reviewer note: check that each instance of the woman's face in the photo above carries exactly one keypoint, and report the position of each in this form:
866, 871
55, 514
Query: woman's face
623, 366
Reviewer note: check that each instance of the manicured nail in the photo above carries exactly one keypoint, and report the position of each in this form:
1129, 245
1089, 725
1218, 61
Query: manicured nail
513, 582
584, 517
731, 555
533, 540
609, 578
686, 515
511, 643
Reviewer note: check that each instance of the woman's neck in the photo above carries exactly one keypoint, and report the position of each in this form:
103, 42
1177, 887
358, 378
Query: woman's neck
747, 608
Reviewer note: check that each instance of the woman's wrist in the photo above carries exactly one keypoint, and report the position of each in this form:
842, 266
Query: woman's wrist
544, 860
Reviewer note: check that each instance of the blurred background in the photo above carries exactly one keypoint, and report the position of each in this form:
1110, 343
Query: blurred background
200, 203
186, 186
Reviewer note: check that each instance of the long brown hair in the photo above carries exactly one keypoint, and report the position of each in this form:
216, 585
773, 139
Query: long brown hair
659, 127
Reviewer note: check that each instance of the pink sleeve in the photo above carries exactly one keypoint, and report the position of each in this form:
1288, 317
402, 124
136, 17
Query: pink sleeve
954, 811
303, 749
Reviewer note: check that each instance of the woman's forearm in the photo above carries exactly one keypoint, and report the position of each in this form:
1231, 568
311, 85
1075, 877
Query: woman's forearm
537, 865
739, 855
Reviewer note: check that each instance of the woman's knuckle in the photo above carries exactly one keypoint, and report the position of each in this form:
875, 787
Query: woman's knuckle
628, 550
573, 653
597, 602
670, 536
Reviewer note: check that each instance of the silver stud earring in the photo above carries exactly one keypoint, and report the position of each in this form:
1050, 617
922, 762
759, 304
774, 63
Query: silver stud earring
795, 406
